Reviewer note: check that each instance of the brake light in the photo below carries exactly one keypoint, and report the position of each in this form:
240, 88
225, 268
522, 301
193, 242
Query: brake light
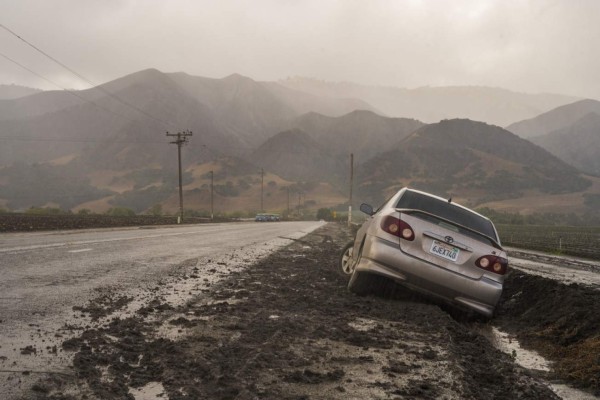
495, 264
399, 228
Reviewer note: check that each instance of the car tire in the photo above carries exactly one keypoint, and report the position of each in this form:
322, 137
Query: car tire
362, 283
346, 263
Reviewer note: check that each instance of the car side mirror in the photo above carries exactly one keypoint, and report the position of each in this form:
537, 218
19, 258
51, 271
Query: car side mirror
366, 208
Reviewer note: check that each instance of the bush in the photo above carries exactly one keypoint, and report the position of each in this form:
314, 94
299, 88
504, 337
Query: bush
45, 211
120, 212
325, 213
156, 210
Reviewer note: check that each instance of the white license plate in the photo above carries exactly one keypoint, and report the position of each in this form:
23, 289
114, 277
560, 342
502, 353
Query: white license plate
444, 250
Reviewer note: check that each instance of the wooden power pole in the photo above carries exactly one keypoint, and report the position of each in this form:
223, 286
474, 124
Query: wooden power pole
351, 180
212, 189
181, 139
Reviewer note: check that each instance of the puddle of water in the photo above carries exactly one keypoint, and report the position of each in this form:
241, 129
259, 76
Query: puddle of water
532, 360
363, 324
566, 392
525, 358
152, 391
561, 274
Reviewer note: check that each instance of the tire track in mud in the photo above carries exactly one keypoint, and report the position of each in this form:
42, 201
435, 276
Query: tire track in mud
287, 328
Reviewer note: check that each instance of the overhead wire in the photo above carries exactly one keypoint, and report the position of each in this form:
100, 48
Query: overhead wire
71, 92
88, 81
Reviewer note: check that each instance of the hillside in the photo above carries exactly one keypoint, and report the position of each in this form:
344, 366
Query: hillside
363, 133
432, 104
577, 144
555, 119
58, 150
59, 135
473, 160
295, 156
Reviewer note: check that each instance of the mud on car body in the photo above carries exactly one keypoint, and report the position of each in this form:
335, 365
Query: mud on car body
431, 245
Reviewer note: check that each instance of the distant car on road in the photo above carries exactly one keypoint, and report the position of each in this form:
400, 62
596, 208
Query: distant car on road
267, 217
431, 245
261, 218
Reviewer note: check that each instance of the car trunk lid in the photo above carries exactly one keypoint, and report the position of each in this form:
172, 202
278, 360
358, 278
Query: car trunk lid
446, 244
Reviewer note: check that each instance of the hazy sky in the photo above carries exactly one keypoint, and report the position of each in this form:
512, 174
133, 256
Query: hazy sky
523, 45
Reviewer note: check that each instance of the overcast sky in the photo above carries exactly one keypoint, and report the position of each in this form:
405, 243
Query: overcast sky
523, 45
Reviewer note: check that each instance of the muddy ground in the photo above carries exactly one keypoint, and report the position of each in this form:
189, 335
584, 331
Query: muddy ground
287, 328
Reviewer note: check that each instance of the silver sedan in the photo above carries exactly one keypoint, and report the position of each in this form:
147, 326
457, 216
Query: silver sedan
431, 245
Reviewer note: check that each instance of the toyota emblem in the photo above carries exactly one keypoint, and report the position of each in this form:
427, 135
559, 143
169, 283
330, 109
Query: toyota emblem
449, 239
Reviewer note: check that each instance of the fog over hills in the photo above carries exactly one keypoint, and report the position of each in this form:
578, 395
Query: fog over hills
111, 150
577, 144
555, 119
103, 136
432, 104
15, 91
295, 156
570, 132
469, 158
363, 133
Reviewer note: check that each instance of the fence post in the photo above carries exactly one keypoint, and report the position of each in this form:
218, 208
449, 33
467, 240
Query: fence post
560, 244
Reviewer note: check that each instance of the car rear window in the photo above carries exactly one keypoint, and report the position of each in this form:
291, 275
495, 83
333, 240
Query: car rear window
448, 211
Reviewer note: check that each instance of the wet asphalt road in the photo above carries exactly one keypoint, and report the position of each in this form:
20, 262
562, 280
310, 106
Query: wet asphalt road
44, 275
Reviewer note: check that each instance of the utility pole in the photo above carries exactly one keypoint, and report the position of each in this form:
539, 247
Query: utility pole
262, 186
351, 180
212, 188
288, 201
182, 138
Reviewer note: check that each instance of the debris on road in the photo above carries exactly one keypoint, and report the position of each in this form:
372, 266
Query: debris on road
287, 328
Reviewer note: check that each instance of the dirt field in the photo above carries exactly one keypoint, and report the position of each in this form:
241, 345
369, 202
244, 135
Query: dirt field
287, 328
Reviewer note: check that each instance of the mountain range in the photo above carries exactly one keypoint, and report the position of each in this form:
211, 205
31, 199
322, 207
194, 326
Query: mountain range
571, 132
432, 104
107, 146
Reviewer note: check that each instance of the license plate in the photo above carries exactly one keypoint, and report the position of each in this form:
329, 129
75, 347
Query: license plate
444, 250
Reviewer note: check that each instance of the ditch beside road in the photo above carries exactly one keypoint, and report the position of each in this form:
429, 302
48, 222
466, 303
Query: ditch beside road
286, 327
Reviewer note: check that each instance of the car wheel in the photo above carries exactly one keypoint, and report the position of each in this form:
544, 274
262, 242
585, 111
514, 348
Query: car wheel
346, 262
361, 283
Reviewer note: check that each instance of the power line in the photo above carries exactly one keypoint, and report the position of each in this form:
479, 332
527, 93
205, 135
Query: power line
21, 139
71, 92
94, 85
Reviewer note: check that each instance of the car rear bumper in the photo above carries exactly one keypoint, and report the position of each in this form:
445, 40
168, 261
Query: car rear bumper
385, 258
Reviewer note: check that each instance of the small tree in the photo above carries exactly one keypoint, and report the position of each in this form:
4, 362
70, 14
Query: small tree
325, 214
156, 210
120, 212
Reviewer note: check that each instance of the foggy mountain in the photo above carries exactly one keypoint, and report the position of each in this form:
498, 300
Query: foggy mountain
363, 133
432, 104
295, 156
318, 147
577, 144
15, 91
479, 161
104, 137
72, 154
232, 114
558, 118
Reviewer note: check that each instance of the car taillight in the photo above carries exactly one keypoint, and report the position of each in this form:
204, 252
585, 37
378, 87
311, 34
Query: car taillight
495, 264
397, 227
